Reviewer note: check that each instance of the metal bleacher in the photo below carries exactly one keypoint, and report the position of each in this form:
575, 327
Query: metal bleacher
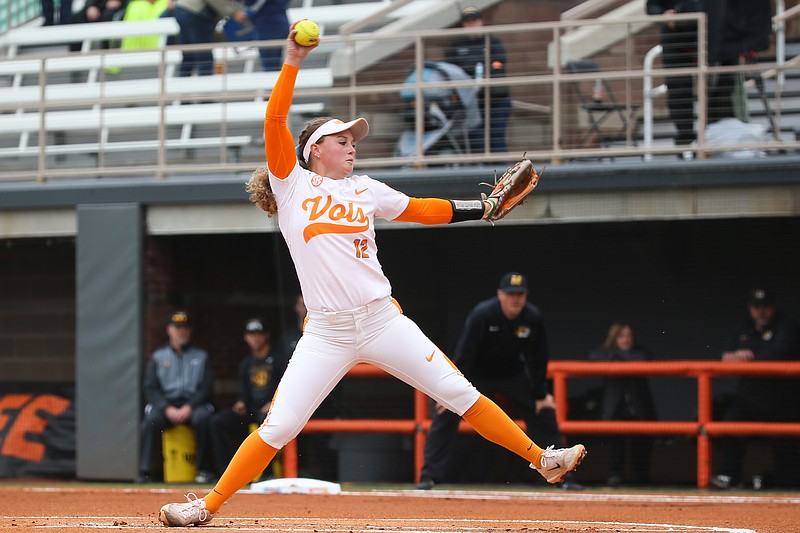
122, 112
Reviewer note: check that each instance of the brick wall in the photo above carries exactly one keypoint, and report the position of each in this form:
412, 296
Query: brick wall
37, 310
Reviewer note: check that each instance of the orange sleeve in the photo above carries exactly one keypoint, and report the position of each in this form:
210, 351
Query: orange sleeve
278, 141
427, 211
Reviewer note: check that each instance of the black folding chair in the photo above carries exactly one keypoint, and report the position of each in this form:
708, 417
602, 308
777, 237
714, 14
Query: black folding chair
597, 99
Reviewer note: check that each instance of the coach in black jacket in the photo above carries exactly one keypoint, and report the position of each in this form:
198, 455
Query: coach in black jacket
502, 349
766, 335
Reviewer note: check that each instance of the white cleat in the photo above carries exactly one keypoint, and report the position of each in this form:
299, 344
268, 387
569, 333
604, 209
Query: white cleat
558, 463
193, 512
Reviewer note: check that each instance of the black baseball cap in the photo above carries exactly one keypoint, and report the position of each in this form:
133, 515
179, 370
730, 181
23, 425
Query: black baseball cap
513, 283
254, 325
470, 13
179, 318
760, 296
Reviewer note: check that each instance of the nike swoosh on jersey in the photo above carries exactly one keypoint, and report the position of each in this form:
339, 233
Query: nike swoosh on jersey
362, 190
320, 228
430, 357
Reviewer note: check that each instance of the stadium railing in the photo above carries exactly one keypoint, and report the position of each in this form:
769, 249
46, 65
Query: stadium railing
704, 428
545, 122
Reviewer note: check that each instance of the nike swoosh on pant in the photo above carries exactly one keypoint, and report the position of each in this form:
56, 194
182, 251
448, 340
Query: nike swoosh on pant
430, 357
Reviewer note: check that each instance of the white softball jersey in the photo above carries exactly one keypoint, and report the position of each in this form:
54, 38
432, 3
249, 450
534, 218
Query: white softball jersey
329, 226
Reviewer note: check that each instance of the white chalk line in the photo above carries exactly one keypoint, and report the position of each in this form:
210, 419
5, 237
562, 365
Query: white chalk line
380, 525
571, 496
583, 496
401, 524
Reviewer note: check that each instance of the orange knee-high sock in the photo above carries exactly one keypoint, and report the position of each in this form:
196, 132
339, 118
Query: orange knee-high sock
250, 460
494, 425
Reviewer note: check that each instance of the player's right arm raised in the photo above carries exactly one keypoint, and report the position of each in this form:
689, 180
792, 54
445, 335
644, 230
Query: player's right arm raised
278, 140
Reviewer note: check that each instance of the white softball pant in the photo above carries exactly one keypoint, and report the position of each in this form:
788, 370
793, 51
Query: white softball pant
334, 342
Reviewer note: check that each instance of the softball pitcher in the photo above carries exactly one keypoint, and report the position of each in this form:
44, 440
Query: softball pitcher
327, 218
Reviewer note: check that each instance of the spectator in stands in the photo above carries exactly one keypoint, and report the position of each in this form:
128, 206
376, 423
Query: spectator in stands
270, 21
679, 42
198, 20
471, 54
626, 398
502, 350
49, 12
765, 335
143, 10
97, 11
178, 384
259, 374
737, 29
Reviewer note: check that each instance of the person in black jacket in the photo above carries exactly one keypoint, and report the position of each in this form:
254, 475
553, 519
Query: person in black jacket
625, 398
766, 335
259, 374
96, 11
470, 53
737, 29
502, 349
679, 42
178, 383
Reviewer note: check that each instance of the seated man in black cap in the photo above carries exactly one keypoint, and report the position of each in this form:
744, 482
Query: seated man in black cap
765, 335
502, 350
259, 374
469, 53
178, 384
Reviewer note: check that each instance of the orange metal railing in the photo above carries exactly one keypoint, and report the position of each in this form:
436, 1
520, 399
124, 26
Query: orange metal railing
704, 428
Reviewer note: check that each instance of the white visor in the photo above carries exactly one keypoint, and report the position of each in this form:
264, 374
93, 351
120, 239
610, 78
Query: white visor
358, 127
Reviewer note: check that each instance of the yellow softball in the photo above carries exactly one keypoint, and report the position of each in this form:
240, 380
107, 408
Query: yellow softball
307, 33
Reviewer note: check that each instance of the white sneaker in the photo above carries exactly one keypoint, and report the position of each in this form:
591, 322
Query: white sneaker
557, 463
185, 514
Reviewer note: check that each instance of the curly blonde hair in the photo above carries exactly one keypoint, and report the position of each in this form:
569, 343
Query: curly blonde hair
261, 192
258, 185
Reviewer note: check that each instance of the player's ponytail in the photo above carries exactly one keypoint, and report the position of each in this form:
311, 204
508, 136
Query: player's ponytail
261, 192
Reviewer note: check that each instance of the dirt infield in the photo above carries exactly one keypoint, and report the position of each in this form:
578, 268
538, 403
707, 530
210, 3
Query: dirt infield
73, 507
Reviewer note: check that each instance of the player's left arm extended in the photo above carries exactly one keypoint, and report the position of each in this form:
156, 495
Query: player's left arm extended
509, 192
440, 211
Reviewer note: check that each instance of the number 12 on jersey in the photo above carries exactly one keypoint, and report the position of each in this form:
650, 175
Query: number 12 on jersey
361, 248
